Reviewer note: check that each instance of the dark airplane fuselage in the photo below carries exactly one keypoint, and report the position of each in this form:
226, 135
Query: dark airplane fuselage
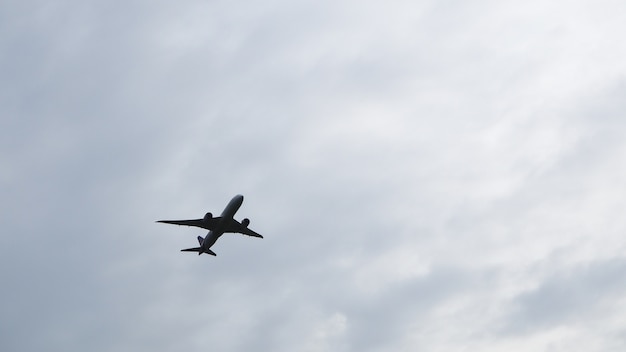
226, 217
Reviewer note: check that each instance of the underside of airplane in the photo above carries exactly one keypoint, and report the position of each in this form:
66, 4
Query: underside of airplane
217, 226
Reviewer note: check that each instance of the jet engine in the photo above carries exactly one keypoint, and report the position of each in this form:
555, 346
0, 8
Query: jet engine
245, 222
208, 216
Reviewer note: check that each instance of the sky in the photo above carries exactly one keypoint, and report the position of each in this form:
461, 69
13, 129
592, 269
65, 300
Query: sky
428, 175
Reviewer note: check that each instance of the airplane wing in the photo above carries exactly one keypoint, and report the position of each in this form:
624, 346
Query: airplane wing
238, 227
208, 224
246, 231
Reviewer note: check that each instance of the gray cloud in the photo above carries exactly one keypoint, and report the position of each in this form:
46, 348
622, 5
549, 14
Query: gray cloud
430, 175
569, 297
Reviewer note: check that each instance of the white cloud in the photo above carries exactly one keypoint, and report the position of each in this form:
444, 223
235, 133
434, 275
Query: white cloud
326, 333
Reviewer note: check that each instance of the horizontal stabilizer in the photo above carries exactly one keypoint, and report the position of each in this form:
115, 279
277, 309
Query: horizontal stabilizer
199, 250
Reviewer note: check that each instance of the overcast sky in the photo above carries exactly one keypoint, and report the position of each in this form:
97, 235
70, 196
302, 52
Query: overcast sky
428, 175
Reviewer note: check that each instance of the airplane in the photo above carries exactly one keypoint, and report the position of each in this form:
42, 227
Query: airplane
217, 226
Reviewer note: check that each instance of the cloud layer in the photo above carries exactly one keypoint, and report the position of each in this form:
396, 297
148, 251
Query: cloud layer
427, 175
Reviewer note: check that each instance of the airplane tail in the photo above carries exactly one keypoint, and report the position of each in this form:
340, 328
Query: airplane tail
199, 250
